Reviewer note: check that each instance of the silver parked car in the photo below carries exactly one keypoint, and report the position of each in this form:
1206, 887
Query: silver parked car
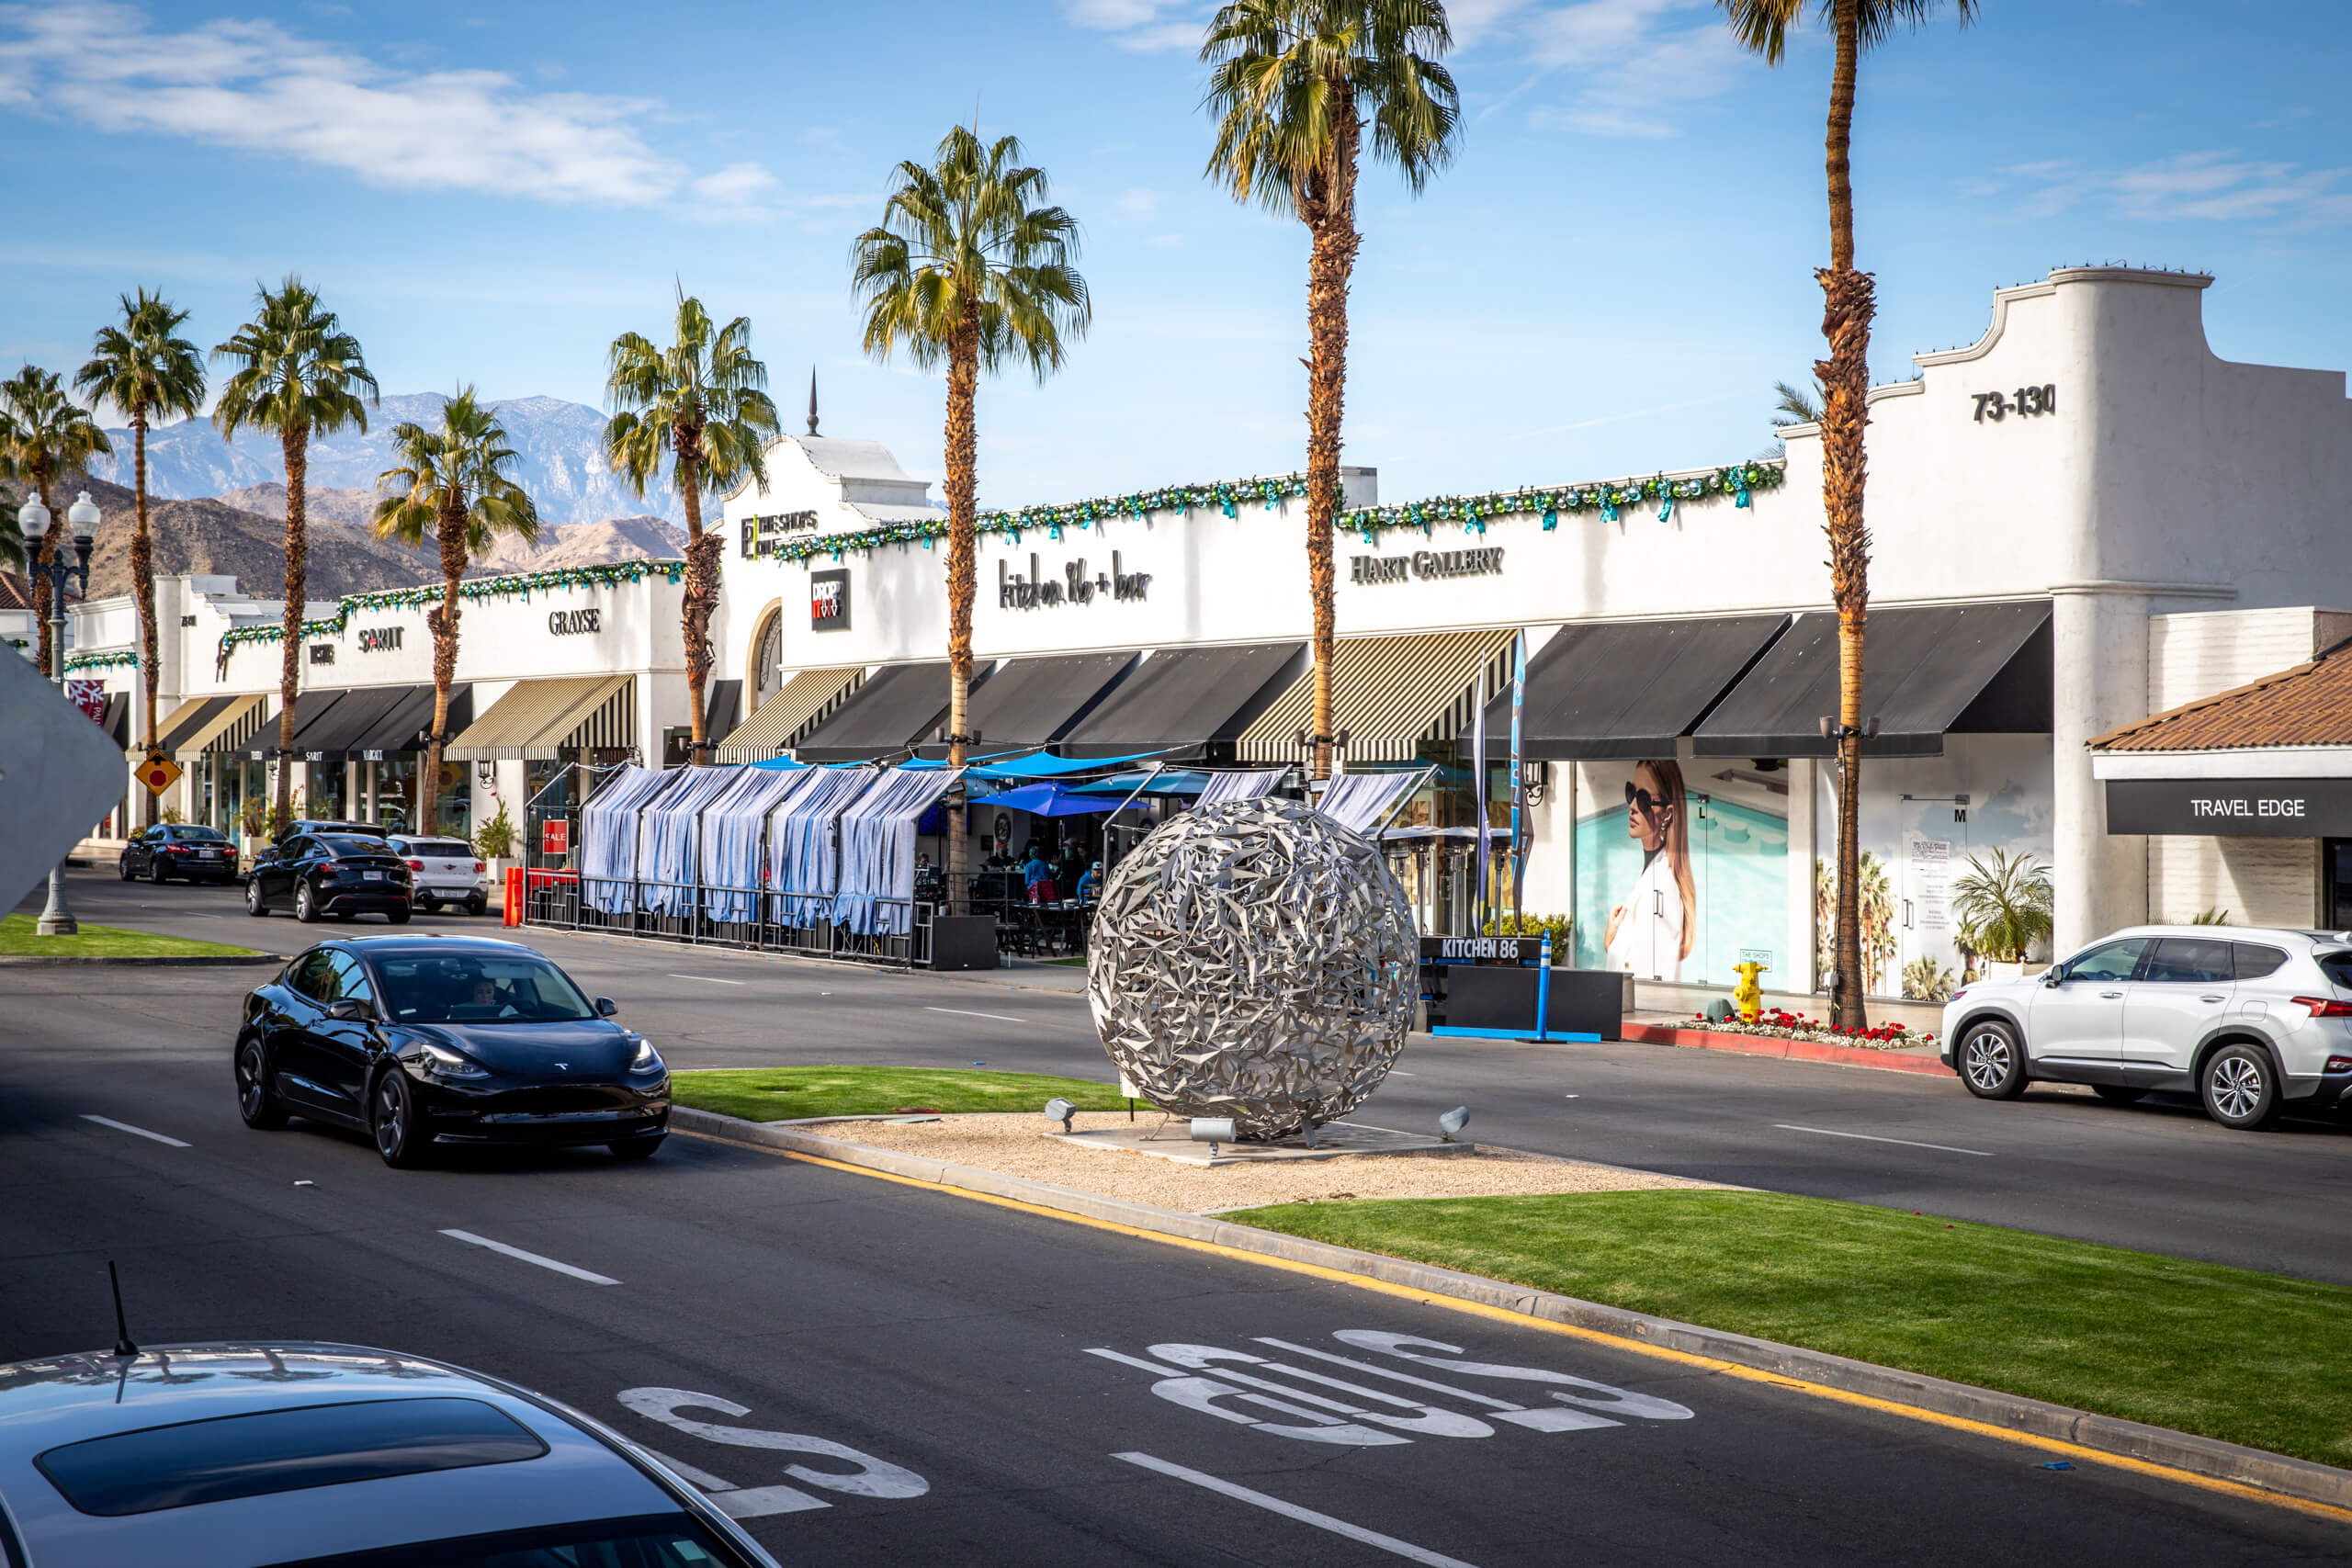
447, 872
281, 1456
2250, 1019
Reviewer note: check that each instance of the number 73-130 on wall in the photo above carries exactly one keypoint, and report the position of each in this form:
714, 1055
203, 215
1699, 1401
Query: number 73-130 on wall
1999, 406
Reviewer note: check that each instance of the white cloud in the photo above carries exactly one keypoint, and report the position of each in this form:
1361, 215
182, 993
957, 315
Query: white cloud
252, 85
1626, 67
1137, 202
1141, 26
2210, 185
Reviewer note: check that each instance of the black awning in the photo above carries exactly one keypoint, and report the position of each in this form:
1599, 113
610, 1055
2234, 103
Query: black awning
405, 725
1186, 698
722, 709
117, 723
330, 735
311, 711
898, 705
1032, 701
1928, 670
1627, 688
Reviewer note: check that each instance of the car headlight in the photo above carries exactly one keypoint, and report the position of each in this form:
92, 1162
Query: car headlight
647, 1059
443, 1063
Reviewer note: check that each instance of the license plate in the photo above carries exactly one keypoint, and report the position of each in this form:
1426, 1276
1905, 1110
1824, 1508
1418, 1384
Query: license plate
207, 854
371, 876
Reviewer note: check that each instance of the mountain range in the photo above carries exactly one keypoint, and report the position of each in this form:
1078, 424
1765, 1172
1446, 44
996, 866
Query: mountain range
558, 446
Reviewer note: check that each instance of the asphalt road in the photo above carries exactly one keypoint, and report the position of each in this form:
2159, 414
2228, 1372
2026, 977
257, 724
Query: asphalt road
2157, 1176
905, 1376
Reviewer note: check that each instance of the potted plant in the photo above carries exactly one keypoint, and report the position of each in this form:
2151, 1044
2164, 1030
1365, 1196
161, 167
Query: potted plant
495, 841
2002, 906
253, 828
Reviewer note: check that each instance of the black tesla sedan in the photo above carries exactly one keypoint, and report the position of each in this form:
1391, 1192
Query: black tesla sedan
188, 849
416, 1040
330, 874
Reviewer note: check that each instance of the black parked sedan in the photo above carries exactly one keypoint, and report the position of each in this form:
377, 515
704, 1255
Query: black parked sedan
178, 849
328, 873
460, 1040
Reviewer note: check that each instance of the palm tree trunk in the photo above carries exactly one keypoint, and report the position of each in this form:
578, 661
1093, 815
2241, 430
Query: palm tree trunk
142, 582
963, 574
702, 588
1845, 380
1332, 257
296, 443
45, 550
443, 620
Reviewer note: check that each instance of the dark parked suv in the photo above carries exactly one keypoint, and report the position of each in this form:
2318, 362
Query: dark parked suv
328, 873
178, 849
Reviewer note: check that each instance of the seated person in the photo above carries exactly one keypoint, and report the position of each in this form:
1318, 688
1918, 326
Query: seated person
486, 1002
1090, 883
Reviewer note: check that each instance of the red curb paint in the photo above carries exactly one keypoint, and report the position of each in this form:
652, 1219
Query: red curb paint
1795, 1049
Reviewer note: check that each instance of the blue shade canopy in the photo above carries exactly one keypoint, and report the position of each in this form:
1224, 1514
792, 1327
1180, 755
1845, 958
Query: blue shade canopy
1168, 781
1050, 800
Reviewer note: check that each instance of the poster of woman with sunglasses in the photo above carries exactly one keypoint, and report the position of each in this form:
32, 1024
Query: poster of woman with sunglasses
1652, 928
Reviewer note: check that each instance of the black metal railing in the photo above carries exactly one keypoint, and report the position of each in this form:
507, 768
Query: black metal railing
756, 920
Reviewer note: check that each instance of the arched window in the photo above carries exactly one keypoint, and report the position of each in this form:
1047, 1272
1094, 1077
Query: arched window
768, 664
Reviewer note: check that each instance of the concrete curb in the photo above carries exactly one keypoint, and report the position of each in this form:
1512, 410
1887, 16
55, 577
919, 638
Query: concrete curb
203, 962
1790, 1050
2293, 1478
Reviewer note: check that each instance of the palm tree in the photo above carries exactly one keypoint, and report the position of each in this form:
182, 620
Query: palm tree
965, 270
704, 402
452, 488
1763, 26
298, 374
1295, 84
45, 435
1796, 405
12, 536
144, 367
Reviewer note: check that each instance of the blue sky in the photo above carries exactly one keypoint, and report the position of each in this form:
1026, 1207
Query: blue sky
1608, 280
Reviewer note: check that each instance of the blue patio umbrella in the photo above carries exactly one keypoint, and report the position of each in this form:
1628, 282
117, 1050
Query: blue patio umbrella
1049, 800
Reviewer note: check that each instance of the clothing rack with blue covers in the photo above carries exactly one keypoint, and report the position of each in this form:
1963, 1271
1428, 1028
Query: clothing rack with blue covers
734, 831
608, 836
804, 860
877, 850
667, 839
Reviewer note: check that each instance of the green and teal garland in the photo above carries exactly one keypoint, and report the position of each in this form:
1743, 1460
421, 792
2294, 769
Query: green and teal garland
520, 585
124, 660
1228, 496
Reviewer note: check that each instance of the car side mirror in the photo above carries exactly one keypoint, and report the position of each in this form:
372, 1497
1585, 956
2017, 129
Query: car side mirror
2056, 976
606, 1007
351, 1009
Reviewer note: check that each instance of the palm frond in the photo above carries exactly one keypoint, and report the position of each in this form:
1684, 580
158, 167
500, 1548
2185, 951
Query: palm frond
296, 369
1763, 27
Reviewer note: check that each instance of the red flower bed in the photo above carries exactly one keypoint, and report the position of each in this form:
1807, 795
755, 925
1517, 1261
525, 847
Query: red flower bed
1796, 1026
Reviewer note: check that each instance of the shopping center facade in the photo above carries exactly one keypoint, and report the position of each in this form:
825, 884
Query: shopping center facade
2081, 518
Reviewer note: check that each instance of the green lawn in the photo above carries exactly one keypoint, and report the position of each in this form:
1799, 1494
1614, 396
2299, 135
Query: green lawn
778, 1094
2249, 1357
18, 940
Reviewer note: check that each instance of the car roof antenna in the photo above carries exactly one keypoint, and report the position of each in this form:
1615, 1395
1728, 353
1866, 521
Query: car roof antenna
122, 1344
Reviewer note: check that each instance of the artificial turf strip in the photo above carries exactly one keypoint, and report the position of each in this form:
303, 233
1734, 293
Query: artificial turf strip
19, 939
780, 1094
2248, 1357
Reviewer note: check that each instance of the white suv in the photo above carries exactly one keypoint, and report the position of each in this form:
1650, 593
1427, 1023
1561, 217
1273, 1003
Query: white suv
446, 872
2249, 1020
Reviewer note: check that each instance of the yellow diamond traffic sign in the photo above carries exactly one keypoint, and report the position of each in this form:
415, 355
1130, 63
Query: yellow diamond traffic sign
159, 773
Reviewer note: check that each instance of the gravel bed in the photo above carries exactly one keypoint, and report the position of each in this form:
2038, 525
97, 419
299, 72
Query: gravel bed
1017, 1145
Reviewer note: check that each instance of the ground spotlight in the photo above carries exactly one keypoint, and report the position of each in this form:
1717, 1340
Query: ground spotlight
1453, 1122
1212, 1131
1061, 1110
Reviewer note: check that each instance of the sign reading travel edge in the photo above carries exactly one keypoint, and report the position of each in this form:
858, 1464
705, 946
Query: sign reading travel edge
1425, 565
829, 601
2231, 808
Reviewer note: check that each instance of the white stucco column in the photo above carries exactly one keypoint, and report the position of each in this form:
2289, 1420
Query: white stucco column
1797, 957
2100, 679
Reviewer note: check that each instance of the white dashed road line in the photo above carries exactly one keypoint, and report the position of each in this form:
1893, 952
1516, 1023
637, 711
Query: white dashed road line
472, 1239
1389, 1543
137, 1132
1870, 1138
959, 1012
710, 979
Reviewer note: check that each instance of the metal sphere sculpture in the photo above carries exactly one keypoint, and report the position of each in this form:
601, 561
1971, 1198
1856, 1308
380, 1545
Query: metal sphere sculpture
1253, 959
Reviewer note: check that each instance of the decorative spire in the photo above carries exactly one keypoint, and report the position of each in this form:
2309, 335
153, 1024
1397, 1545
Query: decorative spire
812, 399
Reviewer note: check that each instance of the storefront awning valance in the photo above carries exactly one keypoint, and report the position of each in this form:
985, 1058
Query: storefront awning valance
331, 730
776, 723
897, 705
1627, 688
186, 720
1390, 694
1928, 670
540, 720
228, 730
1185, 699
117, 723
1031, 702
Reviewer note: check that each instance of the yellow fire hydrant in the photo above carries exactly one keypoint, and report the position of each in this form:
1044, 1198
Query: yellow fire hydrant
1749, 997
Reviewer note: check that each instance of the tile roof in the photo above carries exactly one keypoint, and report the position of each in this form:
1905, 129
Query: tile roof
2310, 705
16, 593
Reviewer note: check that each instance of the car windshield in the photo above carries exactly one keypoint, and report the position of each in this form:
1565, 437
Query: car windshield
352, 846
474, 988
647, 1541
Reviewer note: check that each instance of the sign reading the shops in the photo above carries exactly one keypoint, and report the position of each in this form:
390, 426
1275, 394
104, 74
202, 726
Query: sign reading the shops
322, 653
765, 536
829, 601
380, 640
2028, 401
2231, 808
1426, 565
575, 623
1074, 585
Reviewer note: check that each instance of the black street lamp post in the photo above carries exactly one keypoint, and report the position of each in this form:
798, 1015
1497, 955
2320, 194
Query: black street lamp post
32, 519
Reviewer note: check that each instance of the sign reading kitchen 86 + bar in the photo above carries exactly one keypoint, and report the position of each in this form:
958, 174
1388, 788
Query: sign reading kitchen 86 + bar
2240, 808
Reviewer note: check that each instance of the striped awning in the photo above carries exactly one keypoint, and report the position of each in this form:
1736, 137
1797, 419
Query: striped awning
186, 720
237, 721
788, 712
1390, 694
542, 719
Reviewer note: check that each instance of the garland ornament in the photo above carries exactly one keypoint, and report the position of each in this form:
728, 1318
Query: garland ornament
125, 659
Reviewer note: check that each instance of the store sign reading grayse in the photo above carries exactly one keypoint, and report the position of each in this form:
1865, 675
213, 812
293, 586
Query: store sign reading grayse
1037, 591
1425, 565
575, 623
2231, 808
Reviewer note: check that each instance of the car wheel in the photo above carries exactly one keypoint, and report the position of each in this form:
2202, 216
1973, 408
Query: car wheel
253, 904
399, 916
477, 905
427, 905
2118, 1094
636, 1148
122, 868
305, 904
1991, 1063
2239, 1088
256, 1102
155, 872
393, 1118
